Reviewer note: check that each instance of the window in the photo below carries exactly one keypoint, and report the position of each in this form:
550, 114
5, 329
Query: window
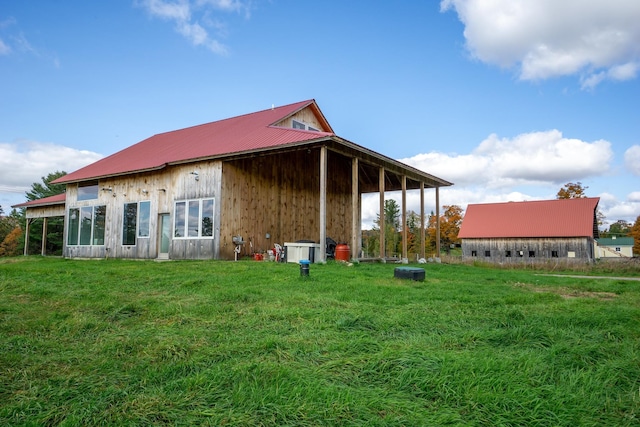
193, 219
144, 213
554, 254
135, 221
474, 253
617, 249
532, 254
487, 253
519, 254
507, 254
301, 125
86, 225
99, 218
88, 192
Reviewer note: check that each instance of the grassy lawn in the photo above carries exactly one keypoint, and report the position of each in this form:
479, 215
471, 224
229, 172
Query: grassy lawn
254, 344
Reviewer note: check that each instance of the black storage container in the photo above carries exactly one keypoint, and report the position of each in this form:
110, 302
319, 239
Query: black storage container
412, 273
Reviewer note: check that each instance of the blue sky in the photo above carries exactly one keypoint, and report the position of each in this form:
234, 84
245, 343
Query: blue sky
508, 99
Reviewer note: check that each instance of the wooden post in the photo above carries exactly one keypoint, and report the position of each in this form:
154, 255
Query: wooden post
26, 237
323, 204
44, 237
382, 220
404, 217
438, 222
422, 224
355, 210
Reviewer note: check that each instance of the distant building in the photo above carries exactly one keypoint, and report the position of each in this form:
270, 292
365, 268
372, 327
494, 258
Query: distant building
530, 231
614, 247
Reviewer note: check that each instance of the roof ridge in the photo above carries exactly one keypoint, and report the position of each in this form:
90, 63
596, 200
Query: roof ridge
302, 103
536, 201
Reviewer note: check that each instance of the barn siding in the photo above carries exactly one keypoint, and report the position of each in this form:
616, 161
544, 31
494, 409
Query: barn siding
44, 211
582, 248
162, 189
280, 195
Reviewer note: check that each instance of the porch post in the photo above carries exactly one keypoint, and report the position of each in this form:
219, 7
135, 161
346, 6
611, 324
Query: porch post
43, 249
438, 222
323, 204
382, 220
26, 237
422, 228
404, 217
355, 210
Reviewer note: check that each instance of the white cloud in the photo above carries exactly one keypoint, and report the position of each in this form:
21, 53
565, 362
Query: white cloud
537, 158
531, 166
599, 40
42, 158
181, 13
4, 48
613, 209
632, 159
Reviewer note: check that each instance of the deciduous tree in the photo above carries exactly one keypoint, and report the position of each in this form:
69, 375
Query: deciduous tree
635, 233
450, 221
572, 190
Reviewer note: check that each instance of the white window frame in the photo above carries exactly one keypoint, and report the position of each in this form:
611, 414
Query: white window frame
185, 218
137, 232
78, 227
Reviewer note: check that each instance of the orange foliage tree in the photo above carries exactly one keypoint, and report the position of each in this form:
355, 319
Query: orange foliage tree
450, 221
572, 190
635, 233
9, 246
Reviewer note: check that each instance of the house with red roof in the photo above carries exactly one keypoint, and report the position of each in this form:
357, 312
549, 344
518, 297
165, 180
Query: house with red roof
530, 231
229, 188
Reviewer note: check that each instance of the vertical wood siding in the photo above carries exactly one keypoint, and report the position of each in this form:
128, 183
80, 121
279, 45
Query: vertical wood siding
279, 195
162, 189
542, 248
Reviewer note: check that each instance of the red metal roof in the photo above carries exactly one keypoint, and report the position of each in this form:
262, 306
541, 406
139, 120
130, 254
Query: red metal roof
250, 132
58, 199
542, 218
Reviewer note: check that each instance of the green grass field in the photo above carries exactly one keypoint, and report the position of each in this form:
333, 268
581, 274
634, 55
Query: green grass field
247, 343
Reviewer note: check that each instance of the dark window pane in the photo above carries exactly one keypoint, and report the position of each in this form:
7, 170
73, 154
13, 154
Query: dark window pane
193, 222
129, 224
74, 225
207, 218
86, 217
99, 216
88, 192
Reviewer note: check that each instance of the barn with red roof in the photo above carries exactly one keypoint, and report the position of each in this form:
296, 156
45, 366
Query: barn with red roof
532, 230
230, 188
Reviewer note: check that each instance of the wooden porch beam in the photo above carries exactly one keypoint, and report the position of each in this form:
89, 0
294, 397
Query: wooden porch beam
381, 181
404, 217
422, 224
323, 204
43, 249
355, 209
438, 222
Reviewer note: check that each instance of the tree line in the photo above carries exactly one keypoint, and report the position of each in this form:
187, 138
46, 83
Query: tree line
12, 226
